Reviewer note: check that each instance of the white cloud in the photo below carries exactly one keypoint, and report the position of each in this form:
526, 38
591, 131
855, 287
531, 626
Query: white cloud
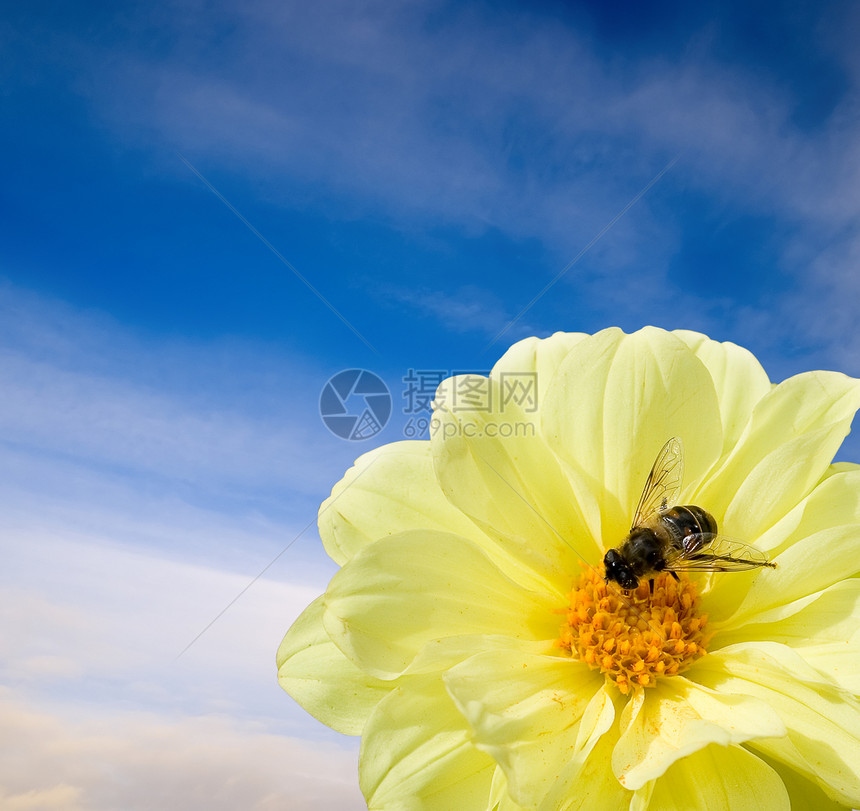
213, 451
125, 532
102, 507
233, 417
144, 761
139, 488
100, 714
107, 623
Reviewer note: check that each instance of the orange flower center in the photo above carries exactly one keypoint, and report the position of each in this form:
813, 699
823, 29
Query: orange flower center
634, 637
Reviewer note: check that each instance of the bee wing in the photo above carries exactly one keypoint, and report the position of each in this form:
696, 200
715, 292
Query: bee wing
663, 484
705, 552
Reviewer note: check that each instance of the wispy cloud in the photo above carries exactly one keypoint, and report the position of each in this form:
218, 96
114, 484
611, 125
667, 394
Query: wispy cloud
370, 107
369, 110
212, 426
92, 629
133, 514
467, 309
108, 621
145, 760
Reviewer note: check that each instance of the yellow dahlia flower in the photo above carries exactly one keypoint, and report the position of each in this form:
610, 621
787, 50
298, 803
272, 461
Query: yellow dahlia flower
471, 641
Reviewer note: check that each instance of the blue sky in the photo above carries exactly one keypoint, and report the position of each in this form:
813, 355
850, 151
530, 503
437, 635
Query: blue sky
428, 168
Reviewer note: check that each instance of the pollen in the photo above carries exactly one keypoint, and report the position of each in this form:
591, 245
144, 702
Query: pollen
634, 637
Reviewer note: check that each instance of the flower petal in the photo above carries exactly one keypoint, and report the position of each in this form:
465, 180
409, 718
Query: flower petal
719, 778
390, 489
493, 465
538, 356
803, 793
615, 401
675, 719
840, 467
838, 660
416, 753
791, 438
403, 591
586, 781
320, 678
500, 800
816, 544
440, 655
822, 722
525, 710
835, 502
739, 380
823, 628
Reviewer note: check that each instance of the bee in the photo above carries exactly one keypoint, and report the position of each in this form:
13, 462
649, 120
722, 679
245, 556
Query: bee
665, 537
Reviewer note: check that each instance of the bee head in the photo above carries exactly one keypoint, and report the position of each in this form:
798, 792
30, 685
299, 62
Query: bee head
618, 570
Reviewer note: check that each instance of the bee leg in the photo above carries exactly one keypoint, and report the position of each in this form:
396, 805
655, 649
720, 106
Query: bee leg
675, 575
651, 586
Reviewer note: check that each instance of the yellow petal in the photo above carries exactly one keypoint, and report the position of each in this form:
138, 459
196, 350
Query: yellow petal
816, 545
500, 800
493, 465
586, 781
390, 489
835, 502
539, 357
739, 380
416, 753
320, 678
675, 719
840, 467
822, 722
823, 628
440, 655
837, 660
615, 401
525, 710
719, 778
401, 592
791, 438
803, 793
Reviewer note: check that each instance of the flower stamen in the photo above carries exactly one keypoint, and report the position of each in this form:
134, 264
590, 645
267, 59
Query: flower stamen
635, 637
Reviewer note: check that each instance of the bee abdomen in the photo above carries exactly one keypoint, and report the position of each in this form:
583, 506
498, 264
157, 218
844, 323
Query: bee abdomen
688, 520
